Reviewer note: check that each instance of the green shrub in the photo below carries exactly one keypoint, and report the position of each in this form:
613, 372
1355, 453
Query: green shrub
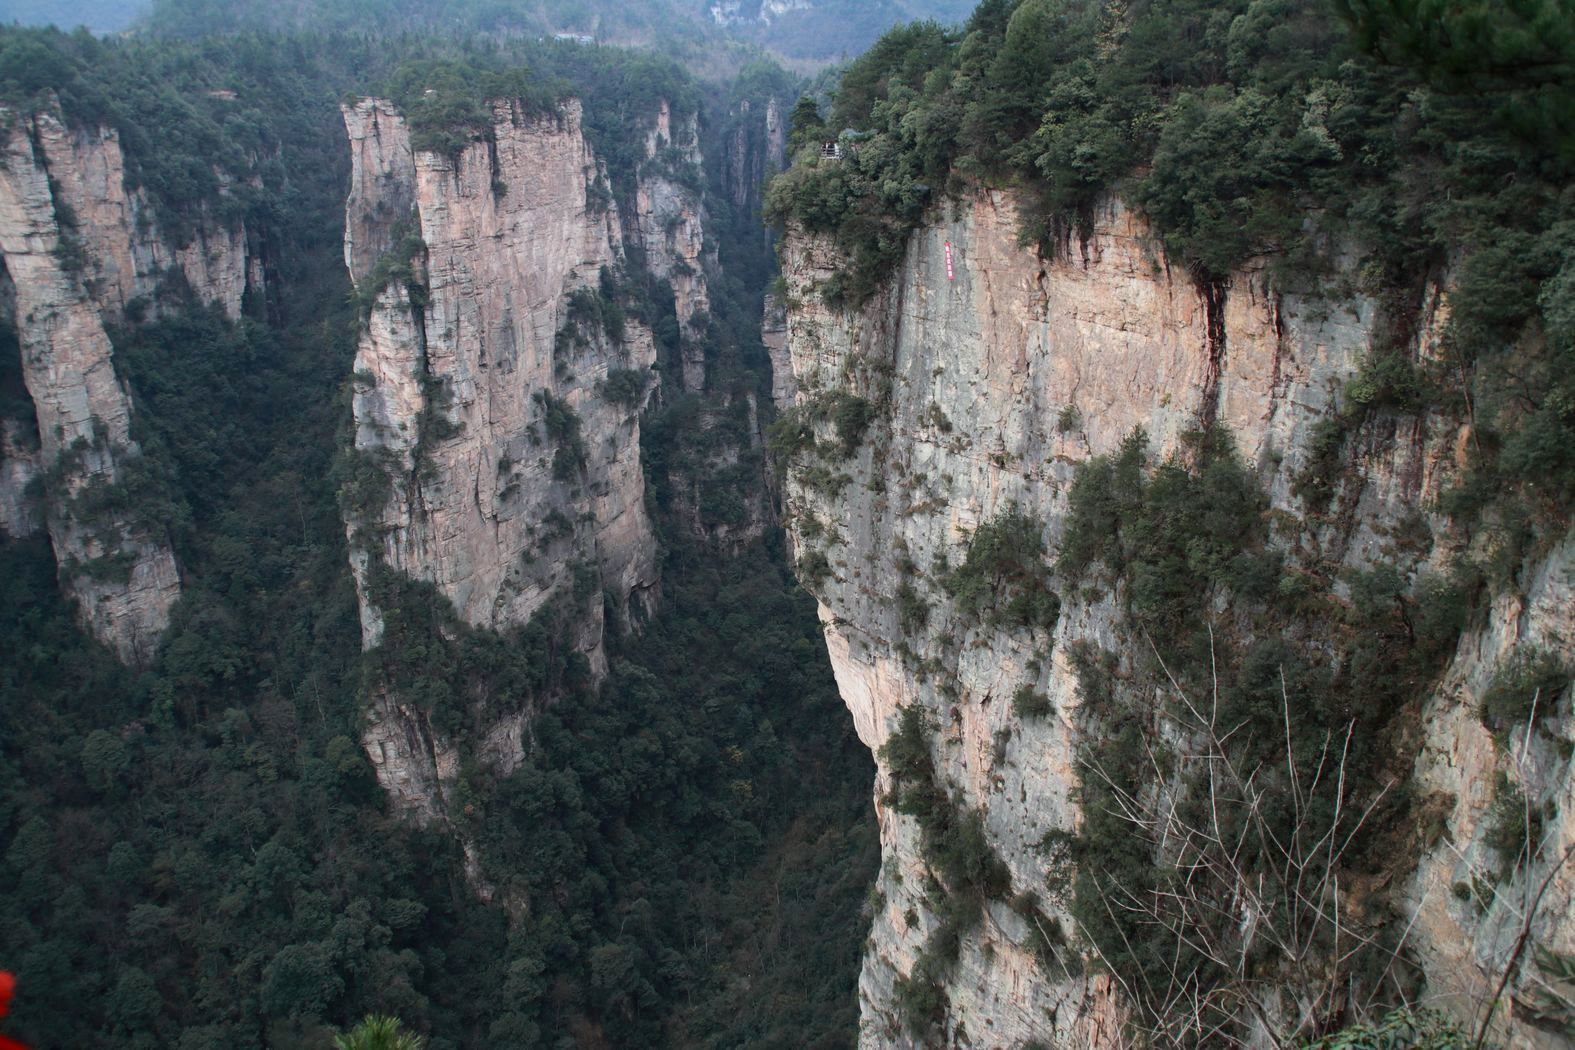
1096, 676
1526, 687
1028, 703
791, 433
1005, 572
957, 848
1514, 827
813, 568
398, 265
624, 386
446, 102
563, 429
851, 416
912, 610
1400, 1030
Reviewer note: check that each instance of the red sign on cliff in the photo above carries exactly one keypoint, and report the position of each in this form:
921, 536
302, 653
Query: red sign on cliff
950, 276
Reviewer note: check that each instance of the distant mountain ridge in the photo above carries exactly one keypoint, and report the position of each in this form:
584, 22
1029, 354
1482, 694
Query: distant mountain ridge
813, 30
826, 28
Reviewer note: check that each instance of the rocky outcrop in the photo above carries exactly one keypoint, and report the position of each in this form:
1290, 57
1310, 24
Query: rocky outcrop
774, 336
125, 252
669, 224
496, 398
988, 390
382, 185
756, 150
77, 247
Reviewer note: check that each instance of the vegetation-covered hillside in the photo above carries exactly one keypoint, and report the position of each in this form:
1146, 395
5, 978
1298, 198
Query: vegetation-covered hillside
810, 31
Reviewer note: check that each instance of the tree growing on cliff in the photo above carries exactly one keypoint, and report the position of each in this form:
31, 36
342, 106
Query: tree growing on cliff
805, 126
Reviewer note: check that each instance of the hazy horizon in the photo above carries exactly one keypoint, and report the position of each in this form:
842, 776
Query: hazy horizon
828, 30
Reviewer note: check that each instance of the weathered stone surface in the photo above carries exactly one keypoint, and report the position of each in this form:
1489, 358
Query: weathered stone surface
382, 183
669, 223
756, 151
990, 389
774, 334
1467, 928
452, 392
127, 253
83, 412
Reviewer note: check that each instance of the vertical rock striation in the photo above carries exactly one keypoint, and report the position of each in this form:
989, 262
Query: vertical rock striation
756, 150
987, 391
669, 224
497, 434
78, 246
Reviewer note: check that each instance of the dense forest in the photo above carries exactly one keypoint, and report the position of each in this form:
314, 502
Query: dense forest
198, 855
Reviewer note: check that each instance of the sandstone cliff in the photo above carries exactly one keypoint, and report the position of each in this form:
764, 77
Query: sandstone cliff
78, 246
669, 224
987, 391
496, 397
756, 150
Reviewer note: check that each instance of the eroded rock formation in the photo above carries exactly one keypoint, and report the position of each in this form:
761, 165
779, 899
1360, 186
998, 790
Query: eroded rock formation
987, 392
496, 406
669, 224
756, 150
78, 247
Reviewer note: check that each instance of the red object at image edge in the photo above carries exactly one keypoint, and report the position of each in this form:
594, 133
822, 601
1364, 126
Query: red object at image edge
7, 989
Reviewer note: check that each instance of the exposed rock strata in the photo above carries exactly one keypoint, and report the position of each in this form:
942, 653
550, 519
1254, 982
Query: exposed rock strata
669, 224
467, 373
756, 150
127, 254
1000, 383
77, 247
774, 336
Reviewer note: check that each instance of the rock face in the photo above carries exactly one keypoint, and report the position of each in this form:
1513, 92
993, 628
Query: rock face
774, 336
78, 247
497, 425
669, 224
756, 150
990, 389
125, 252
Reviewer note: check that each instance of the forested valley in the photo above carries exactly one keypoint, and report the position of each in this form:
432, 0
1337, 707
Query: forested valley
587, 525
197, 854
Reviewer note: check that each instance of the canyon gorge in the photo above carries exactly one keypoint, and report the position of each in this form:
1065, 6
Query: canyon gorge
514, 536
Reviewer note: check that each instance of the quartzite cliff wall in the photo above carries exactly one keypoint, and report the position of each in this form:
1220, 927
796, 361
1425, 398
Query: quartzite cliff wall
974, 377
506, 471
669, 224
78, 245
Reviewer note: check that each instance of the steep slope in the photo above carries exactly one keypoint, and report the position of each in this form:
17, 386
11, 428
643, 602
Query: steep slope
669, 225
80, 252
939, 434
496, 401
756, 150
